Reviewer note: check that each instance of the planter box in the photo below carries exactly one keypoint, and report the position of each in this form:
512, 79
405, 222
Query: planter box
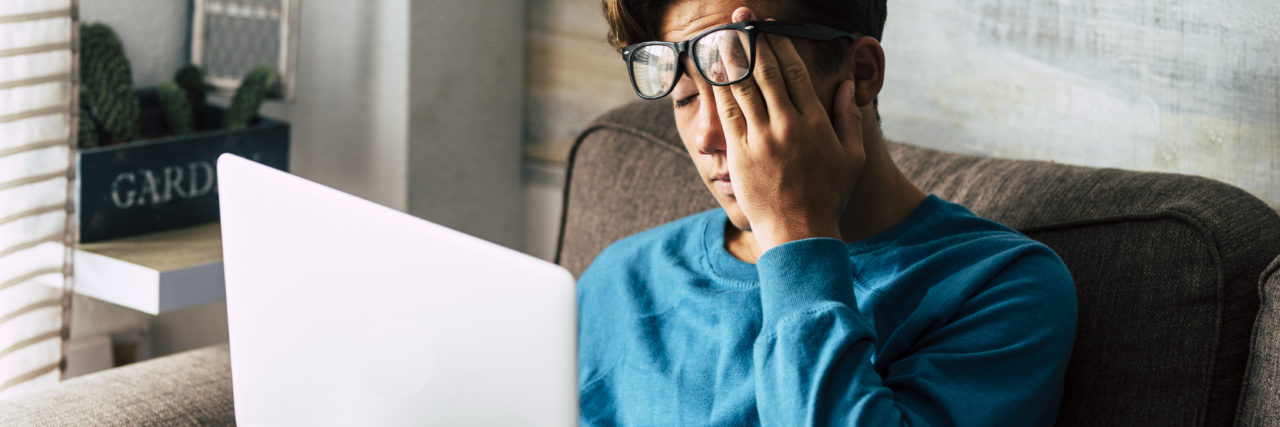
166, 182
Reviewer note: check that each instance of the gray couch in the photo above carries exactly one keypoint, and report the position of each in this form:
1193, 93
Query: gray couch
1179, 293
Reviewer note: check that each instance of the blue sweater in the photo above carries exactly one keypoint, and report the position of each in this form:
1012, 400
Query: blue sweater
944, 319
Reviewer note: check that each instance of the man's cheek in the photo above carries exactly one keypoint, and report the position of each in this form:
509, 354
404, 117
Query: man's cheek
684, 127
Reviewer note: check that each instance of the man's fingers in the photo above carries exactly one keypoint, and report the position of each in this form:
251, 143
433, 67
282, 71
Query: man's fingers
732, 120
731, 62
769, 77
794, 73
846, 115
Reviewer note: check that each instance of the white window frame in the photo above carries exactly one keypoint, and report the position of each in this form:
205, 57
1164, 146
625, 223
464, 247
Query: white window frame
286, 63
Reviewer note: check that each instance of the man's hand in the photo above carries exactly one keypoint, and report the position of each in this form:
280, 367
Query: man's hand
792, 171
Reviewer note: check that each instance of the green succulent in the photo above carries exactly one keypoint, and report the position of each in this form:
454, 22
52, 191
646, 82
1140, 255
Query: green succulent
87, 132
176, 108
254, 88
108, 82
191, 79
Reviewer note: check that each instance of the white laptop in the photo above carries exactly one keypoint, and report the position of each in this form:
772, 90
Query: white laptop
345, 312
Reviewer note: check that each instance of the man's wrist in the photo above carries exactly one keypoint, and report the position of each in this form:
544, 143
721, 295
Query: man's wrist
770, 235
803, 275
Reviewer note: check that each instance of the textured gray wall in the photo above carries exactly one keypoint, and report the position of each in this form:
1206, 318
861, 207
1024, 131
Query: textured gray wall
155, 33
573, 74
466, 93
1176, 86
349, 111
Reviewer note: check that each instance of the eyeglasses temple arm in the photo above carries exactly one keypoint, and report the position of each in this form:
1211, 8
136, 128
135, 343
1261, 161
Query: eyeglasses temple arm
808, 31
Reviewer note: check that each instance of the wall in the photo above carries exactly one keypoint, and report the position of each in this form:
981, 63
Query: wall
543, 195
139, 23
466, 93
349, 112
1185, 87
574, 75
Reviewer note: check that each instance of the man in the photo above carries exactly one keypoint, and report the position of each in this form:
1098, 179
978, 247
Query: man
828, 289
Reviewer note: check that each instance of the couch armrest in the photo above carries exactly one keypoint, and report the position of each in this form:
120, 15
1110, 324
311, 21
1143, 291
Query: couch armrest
189, 388
1260, 399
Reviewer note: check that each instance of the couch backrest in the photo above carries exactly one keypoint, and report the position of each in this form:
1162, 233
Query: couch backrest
1166, 269
1166, 266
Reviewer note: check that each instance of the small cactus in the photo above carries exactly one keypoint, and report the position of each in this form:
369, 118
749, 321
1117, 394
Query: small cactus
191, 79
108, 82
248, 98
87, 132
176, 108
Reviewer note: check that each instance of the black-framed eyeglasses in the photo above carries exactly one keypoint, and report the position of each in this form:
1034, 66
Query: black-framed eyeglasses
723, 55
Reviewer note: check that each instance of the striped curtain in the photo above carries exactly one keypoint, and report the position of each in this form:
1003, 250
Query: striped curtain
38, 88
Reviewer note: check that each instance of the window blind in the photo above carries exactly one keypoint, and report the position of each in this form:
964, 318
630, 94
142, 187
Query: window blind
38, 87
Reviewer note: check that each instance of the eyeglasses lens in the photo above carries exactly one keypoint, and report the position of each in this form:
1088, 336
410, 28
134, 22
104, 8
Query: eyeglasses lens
723, 56
653, 68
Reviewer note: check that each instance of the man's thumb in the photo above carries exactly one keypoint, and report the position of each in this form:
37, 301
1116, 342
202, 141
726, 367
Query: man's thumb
847, 117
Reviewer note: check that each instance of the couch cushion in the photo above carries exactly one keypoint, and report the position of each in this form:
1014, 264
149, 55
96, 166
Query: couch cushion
184, 389
1260, 404
627, 172
1165, 265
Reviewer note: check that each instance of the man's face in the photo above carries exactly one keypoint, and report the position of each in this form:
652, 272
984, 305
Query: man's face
694, 102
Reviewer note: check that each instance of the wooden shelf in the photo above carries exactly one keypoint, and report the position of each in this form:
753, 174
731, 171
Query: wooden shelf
154, 273
555, 153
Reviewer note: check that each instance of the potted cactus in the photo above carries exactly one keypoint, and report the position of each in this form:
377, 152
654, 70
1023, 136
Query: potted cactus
146, 156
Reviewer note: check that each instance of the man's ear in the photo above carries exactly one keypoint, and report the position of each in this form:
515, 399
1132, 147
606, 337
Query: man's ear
868, 69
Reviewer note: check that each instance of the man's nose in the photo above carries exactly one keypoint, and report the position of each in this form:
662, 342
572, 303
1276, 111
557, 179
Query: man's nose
710, 135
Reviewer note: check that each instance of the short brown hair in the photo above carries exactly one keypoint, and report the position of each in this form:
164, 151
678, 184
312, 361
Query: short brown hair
635, 21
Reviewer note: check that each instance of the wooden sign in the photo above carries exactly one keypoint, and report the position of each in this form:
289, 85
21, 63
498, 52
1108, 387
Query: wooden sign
166, 183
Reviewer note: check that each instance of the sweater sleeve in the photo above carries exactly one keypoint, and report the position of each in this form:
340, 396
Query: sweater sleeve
997, 358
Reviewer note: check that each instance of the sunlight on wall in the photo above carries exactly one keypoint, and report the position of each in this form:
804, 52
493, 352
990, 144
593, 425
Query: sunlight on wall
1183, 87
36, 68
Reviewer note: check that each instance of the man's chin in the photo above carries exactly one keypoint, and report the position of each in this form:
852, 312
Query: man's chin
731, 209
737, 220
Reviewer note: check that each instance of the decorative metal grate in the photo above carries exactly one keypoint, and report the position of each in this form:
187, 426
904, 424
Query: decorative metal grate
231, 37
